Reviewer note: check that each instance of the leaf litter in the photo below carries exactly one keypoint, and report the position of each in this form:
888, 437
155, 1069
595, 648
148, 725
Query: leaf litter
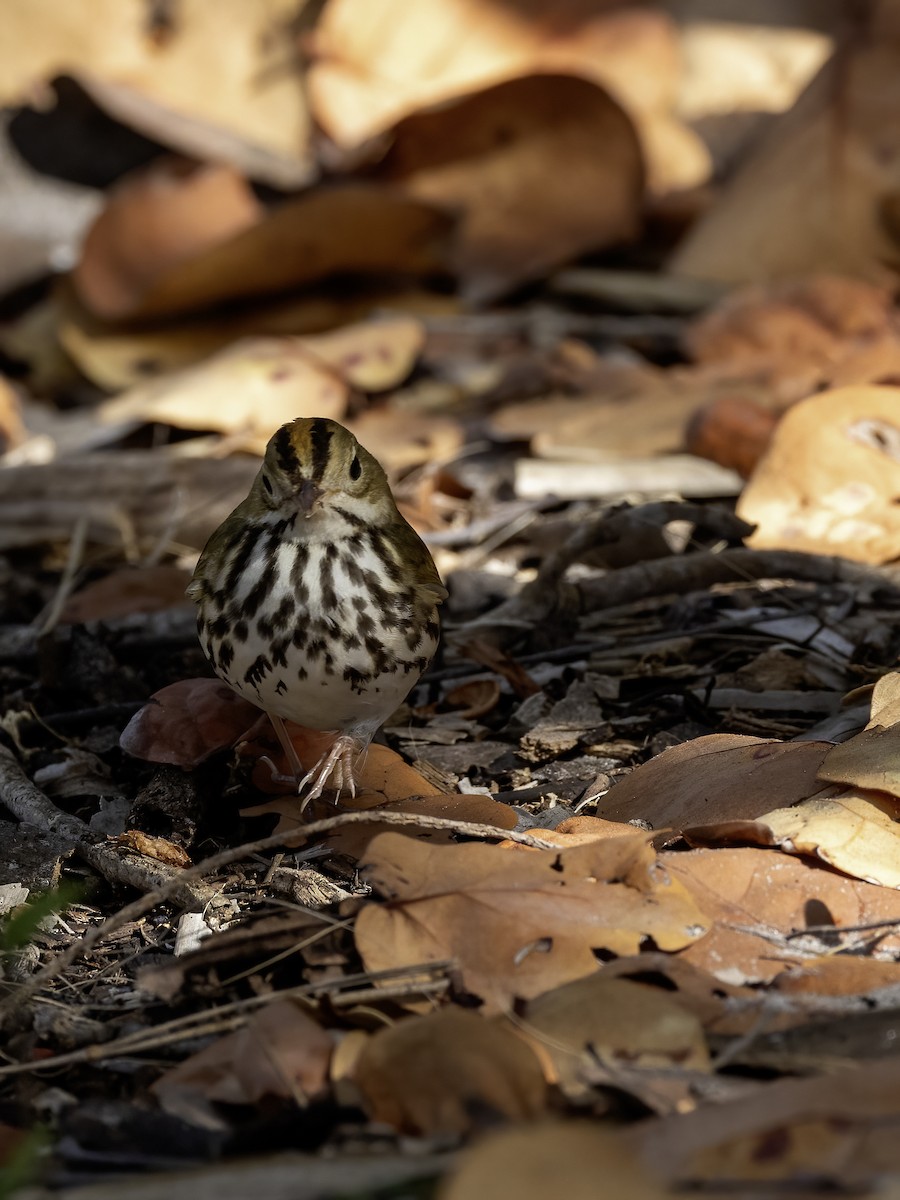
621, 874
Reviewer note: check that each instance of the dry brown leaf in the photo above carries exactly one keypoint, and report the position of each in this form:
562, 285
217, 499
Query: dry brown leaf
249, 388
118, 358
381, 774
12, 431
614, 1021
358, 228
858, 834
280, 1052
401, 439
372, 355
176, 71
578, 1160
129, 590
838, 975
378, 61
886, 701
154, 847
722, 1008
871, 759
474, 699
154, 220
830, 480
445, 1072
518, 923
541, 169
838, 1129
186, 722
586, 829
718, 778
813, 193
754, 896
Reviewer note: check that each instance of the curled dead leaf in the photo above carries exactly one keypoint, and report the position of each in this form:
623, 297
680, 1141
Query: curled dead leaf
187, 722
159, 848
358, 228
541, 168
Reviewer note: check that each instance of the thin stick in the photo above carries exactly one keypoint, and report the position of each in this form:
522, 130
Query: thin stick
140, 907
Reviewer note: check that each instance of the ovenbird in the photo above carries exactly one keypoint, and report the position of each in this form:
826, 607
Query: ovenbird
317, 600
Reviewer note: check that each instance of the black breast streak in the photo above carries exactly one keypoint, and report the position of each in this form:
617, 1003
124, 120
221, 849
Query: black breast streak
266, 581
240, 560
298, 575
328, 595
257, 670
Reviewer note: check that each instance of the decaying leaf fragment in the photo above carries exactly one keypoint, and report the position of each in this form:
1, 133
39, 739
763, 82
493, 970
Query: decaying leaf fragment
519, 923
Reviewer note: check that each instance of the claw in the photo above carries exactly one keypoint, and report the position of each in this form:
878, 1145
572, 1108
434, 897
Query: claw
338, 760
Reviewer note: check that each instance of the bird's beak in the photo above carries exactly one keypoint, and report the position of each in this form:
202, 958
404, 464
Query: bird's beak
308, 496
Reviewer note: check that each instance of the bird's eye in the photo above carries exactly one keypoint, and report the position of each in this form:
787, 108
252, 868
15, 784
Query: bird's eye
355, 467
267, 484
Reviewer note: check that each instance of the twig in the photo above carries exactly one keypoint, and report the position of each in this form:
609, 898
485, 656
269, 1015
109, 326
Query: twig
168, 891
220, 1019
70, 572
548, 596
28, 803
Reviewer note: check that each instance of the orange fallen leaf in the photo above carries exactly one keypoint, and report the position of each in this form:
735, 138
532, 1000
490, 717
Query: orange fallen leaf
751, 895
187, 722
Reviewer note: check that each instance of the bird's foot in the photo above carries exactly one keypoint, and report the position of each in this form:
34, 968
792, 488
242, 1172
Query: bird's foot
339, 762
